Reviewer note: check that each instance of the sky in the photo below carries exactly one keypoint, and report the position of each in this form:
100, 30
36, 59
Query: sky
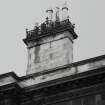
16, 15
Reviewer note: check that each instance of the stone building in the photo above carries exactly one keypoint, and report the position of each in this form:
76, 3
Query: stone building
52, 78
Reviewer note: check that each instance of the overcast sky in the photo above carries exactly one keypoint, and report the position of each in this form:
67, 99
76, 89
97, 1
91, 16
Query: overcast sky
16, 15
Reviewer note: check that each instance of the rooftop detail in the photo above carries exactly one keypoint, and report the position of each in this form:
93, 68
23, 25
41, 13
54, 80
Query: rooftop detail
52, 25
77, 68
49, 28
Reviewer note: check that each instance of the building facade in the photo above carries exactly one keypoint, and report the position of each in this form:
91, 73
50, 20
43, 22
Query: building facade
52, 78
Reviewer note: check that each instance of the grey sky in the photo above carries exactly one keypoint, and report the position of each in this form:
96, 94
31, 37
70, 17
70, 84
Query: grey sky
16, 15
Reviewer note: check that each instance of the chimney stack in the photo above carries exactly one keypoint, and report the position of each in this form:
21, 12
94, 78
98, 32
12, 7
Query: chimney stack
50, 45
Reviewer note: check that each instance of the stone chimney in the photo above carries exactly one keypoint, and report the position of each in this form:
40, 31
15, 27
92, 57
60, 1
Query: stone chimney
51, 44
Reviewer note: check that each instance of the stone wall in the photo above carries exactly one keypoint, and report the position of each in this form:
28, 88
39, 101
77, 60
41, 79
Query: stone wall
50, 52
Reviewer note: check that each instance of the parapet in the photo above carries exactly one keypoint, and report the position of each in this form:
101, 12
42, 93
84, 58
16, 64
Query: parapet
77, 68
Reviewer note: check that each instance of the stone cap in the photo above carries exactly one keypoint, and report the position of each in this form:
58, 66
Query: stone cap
49, 28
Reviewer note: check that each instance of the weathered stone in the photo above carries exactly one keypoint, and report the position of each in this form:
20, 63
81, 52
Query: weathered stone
51, 53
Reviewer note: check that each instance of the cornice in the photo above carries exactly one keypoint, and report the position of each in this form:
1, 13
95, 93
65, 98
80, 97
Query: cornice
60, 27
